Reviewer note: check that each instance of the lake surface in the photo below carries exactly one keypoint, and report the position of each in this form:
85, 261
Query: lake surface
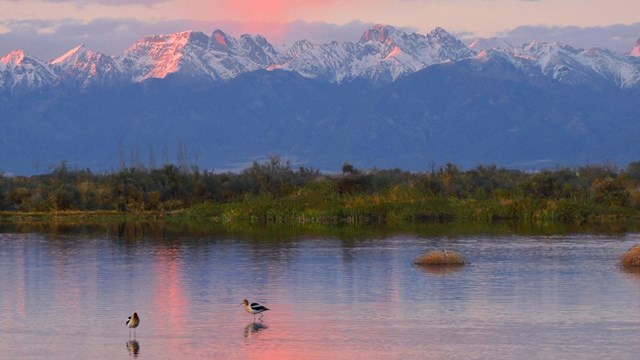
67, 296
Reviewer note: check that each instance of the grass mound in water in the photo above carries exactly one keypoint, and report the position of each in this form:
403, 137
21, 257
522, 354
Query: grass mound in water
631, 259
441, 258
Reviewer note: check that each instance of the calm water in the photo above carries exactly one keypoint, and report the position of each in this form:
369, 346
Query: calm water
552, 297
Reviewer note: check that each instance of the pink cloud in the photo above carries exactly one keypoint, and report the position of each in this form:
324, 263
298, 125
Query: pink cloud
270, 11
104, 2
271, 18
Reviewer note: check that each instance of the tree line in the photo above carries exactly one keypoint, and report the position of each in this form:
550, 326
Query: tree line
274, 190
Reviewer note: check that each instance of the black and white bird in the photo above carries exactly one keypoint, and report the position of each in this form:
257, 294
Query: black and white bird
132, 322
254, 308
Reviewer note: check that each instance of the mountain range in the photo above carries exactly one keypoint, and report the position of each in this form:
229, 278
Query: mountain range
391, 99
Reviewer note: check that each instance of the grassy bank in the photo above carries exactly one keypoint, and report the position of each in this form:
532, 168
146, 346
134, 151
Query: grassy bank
397, 207
275, 193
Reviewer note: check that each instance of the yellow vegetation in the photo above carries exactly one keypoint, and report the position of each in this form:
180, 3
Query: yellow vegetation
441, 258
631, 258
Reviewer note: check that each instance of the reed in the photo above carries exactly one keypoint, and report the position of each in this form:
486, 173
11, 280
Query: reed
440, 258
631, 259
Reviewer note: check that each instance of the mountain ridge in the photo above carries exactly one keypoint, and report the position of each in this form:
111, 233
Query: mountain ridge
390, 99
383, 53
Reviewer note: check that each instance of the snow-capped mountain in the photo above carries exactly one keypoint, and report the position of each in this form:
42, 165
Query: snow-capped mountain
20, 71
194, 54
83, 67
383, 54
567, 64
493, 43
426, 99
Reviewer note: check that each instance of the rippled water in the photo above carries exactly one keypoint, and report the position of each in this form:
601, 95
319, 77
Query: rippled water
557, 297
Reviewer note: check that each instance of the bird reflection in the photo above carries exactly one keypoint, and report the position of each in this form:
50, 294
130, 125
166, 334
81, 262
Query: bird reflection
254, 328
133, 347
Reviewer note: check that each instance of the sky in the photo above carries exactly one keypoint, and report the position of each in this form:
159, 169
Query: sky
48, 28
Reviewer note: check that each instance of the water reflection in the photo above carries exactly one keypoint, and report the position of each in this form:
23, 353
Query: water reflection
254, 328
133, 347
556, 297
440, 270
279, 234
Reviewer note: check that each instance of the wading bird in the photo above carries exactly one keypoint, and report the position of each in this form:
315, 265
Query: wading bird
132, 322
254, 309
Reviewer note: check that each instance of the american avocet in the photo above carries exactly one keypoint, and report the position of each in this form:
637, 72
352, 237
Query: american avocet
132, 322
253, 309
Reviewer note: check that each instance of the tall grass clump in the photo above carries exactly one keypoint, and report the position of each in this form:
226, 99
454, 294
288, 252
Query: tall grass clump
630, 260
438, 258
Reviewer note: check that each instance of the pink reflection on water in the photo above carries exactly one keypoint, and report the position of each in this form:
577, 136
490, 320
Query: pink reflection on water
22, 275
289, 333
170, 301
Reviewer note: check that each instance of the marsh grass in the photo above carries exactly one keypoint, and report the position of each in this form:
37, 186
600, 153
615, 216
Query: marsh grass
441, 258
630, 260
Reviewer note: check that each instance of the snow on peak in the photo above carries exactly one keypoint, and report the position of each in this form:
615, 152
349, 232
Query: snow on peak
219, 37
536, 46
636, 50
176, 40
180, 38
379, 33
493, 43
15, 57
160, 55
439, 32
19, 70
69, 54
301, 46
84, 67
382, 53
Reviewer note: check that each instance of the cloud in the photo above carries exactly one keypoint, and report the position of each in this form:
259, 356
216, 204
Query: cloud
273, 19
48, 39
81, 3
619, 38
287, 33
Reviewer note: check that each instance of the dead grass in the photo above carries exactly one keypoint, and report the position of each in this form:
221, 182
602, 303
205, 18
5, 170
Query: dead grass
441, 258
631, 259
